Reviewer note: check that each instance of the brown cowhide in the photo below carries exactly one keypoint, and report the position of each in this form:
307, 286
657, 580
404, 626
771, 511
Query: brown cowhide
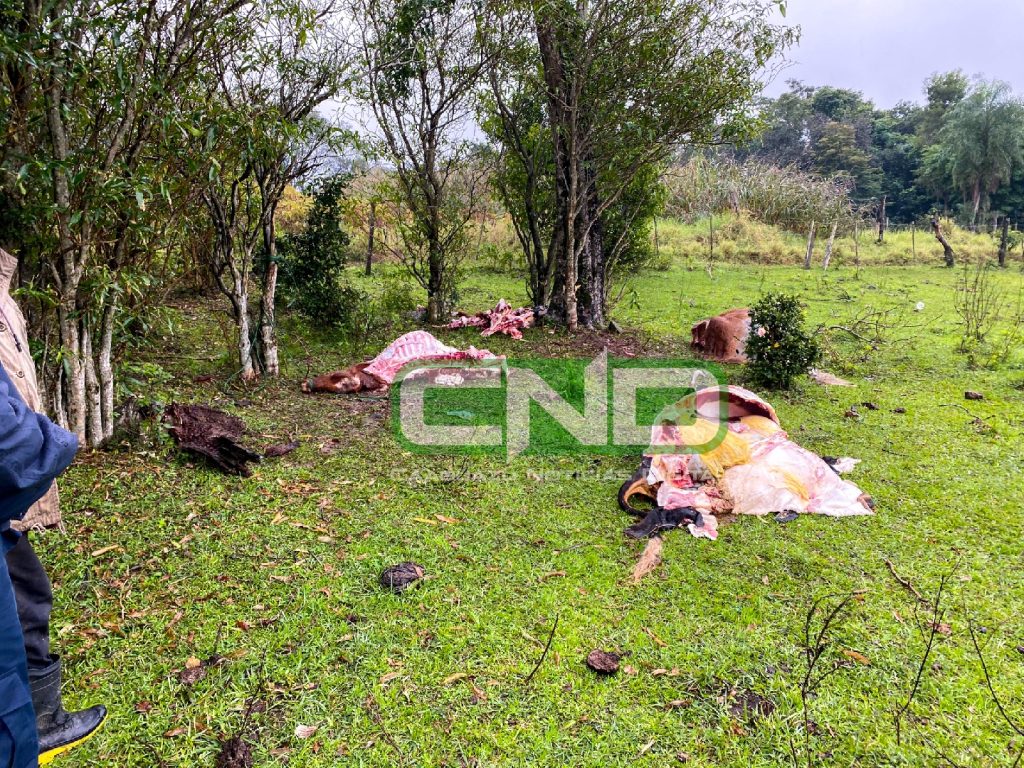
723, 338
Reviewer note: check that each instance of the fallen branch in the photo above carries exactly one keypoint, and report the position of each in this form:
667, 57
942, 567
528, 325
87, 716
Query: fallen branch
851, 332
974, 416
905, 583
373, 708
992, 692
814, 647
936, 621
544, 655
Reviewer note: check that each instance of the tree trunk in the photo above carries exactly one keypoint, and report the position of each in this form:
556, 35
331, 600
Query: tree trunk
435, 281
240, 305
564, 251
268, 323
268, 319
591, 263
94, 420
369, 247
573, 250
976, 200
810, 246
106, 368
1003, 240
828, 246
74, 369
434, 309
947, 249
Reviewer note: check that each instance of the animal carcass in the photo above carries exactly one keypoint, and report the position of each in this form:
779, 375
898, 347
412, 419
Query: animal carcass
723, 338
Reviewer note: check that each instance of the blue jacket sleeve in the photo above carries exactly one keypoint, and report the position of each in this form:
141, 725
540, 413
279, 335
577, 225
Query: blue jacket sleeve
33, 451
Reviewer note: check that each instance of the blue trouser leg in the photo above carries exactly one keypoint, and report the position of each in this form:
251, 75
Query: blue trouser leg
34, 597
18, 745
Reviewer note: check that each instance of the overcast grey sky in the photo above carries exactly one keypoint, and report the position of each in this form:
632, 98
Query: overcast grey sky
886, 48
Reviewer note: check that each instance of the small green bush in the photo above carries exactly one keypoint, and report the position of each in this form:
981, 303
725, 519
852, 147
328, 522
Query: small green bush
779, 348
312, 262
364, 317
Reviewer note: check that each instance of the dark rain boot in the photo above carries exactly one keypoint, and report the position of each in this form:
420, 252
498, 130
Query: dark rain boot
659, 519
59, 730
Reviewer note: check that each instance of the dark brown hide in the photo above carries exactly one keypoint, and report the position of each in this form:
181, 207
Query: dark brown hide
723, 338
351, 380
211, 433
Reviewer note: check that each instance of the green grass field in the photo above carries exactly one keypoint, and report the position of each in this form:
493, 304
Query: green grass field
274, 576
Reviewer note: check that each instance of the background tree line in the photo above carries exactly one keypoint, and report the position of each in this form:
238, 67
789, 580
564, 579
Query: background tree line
960, 153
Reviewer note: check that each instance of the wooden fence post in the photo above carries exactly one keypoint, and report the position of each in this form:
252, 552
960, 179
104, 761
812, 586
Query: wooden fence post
711, 236
1003, 239
810, 246
881, 221
828, 246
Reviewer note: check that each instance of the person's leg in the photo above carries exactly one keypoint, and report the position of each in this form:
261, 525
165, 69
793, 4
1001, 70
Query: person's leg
58, 729
34, 594
18, 745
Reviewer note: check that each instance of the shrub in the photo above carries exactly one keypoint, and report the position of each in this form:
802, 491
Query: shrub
501, 259
366, 318
313, 260
779, 348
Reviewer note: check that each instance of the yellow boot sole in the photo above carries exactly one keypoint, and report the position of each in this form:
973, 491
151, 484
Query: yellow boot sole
45, 758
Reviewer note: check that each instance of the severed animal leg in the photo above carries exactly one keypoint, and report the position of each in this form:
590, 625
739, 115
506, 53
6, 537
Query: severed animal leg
637, 485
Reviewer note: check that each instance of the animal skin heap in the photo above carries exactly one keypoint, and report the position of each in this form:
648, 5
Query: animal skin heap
380, 372
723, 338
750, 467
502, 319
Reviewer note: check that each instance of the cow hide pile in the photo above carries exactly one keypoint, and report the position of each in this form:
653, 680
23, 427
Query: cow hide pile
502, 319
213, 434
723, 338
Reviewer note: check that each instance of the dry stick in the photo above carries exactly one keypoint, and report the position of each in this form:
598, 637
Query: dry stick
544, 655
974, 416
937, 616
813, 652
379, 722
849, 331
905, 583
711, 243
988, 683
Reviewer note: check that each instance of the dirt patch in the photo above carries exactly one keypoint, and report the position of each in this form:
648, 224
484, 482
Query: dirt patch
748, 705
235, 753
